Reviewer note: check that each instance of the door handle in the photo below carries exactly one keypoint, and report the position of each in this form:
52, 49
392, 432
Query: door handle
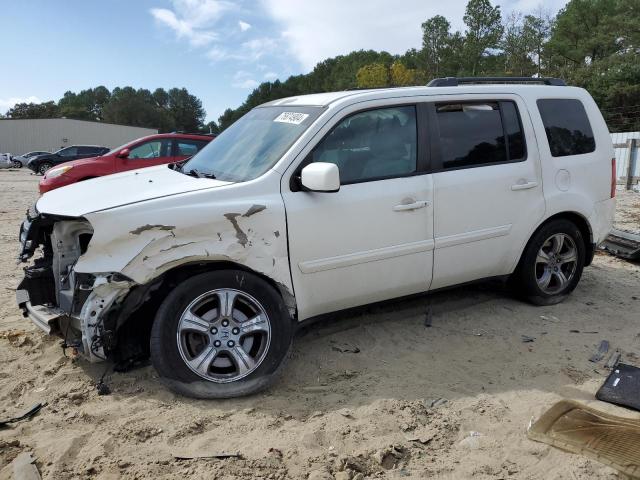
524, 186
411, 206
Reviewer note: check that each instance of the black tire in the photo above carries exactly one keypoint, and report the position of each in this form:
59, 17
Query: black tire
525, 278
165, 353
16, 163
43, 167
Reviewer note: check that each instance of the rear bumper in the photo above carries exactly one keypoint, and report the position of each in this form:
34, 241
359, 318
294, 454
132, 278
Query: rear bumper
601, 220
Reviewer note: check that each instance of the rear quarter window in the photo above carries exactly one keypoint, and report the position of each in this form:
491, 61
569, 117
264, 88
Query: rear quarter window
567, 127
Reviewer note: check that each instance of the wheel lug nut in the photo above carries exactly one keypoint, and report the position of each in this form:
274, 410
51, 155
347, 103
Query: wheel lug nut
217, 343
214, 330
230, 343
225, 323
235, 331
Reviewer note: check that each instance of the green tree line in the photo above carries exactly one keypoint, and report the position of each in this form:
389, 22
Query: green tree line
172, 110
594, 44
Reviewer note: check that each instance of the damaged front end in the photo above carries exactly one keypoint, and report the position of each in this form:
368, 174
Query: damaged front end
60, 301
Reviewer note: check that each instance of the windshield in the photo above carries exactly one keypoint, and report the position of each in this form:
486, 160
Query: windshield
253, 144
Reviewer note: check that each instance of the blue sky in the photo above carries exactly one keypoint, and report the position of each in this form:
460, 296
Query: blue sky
218, 49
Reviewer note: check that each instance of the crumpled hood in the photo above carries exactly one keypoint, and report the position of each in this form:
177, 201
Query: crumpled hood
112, 191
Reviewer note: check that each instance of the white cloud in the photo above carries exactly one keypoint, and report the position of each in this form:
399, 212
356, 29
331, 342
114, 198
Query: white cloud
7, 103
216, 54
249, 83
244, 26
270, 76
192, 19
249, 51
258, 47
314, 31
244, 79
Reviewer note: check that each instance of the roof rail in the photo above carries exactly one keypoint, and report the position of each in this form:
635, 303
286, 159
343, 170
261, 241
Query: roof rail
455, 81
205, 134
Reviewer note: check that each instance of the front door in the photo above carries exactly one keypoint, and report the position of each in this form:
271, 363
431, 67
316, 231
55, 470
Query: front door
373, 239
488, 187
147, 154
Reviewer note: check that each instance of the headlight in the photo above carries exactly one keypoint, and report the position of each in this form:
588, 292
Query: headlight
56, 172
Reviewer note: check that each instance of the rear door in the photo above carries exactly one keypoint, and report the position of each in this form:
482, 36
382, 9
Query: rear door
373, 239
487, 186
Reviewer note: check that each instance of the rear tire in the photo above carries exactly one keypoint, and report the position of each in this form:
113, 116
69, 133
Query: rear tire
552, 263
221, 334
43, 167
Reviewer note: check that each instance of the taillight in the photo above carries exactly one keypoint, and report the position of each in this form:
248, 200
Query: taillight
613, 177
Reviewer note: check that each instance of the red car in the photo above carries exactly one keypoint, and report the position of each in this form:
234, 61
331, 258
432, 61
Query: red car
143, 152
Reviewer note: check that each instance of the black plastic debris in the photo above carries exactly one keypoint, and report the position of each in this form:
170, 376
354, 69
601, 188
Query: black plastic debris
603, 348
428, 317
28, 414
622, 387
528, 339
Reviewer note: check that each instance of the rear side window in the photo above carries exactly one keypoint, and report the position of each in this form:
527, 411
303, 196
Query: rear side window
186, 147
567, 127
479, 133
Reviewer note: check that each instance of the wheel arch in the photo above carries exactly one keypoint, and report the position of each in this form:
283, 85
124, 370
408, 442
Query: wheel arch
579, 220
134, 319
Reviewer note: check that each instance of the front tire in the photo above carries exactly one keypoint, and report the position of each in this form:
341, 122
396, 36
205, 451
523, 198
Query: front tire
17, 164
221, 334
552, 263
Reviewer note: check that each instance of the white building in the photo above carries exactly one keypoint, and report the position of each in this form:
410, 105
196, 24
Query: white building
19, 136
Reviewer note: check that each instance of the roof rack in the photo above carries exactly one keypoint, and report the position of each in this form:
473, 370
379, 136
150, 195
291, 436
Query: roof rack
456, 81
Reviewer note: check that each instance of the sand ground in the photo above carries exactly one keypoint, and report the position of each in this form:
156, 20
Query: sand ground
334, 413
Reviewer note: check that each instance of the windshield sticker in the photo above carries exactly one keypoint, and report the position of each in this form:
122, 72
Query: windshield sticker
291, 117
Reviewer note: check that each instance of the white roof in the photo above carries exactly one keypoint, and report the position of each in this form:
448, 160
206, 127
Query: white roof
325, 99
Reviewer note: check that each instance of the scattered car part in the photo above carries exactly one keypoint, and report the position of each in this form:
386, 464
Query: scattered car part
622, 387
28, 414
204, 455
24, 467
603, 348
606, 438
623, 244
613, 360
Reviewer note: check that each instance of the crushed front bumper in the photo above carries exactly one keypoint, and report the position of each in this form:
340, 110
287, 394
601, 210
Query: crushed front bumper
45, 318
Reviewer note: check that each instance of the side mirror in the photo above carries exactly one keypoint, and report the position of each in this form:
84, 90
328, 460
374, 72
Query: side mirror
321, 177
124, 153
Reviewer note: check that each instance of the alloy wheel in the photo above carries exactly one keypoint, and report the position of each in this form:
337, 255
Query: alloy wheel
556, 263
223, 335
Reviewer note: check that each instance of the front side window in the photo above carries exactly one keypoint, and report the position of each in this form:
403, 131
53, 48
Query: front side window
371, 145
253, 144
567, 127
152, 149
479, 133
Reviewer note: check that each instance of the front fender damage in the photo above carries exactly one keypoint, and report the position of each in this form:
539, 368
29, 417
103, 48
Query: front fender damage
106, 293
247, 238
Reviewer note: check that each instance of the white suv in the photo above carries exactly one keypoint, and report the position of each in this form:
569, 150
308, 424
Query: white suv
317, 203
